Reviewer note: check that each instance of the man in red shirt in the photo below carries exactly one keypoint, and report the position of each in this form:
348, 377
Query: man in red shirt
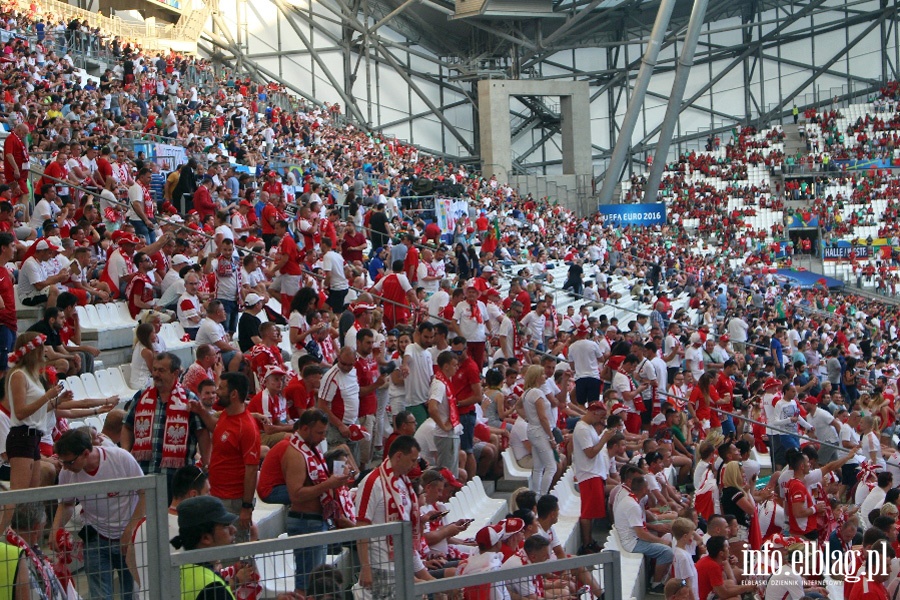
273, 187
139, 292
711, 571
15, 161
466, 388
877, 572
8, 319
301, 392
725, 388
369, 381
287, 266
234, 461
411, 262
203, 202
268, 218
799, 505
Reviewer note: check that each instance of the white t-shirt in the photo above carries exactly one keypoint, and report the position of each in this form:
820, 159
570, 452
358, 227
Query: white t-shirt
518, 435
32, 271
421, 372
372, 508
436, 304
786, 585
586, 355
139, 545
671, 343
534, 324
108, 515
694, 356
425, 436
586, 436
812, 480
684, 567
438, 393
822, 422
210, 332
333, 263
848, 434
628, 514
336, 382
469, 327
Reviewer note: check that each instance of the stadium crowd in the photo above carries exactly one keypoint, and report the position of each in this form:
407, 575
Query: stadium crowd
415, 356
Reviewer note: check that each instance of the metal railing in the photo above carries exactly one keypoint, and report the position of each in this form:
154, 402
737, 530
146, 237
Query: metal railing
266, 567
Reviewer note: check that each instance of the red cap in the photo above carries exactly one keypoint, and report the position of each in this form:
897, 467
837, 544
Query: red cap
598, 406
487, 537
772, 382
246, 203
358, 309
450, 479
617, 408
724, 338
512, 526
273, 174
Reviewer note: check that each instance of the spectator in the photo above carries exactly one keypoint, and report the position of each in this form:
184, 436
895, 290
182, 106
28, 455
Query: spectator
213, 333
339, 399
630, 525
156, 423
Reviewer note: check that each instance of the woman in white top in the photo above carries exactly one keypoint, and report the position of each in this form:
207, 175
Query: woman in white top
142, 357
871, 445
397, 386
536, 411
300, 332
29, 400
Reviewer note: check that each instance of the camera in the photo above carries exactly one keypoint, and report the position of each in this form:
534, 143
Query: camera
388, 368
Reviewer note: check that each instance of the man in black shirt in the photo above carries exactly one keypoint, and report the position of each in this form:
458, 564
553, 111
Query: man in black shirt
574, 280
248, 326
65, 362
379, 224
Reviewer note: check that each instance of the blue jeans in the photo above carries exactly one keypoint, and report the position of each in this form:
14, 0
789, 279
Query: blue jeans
467, 439
102, 557
305, 559
278, 495
7, 340
728, 425
231, 312
141, 229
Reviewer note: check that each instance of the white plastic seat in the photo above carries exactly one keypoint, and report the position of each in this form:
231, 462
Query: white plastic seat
106, 383
91, 388
75, 385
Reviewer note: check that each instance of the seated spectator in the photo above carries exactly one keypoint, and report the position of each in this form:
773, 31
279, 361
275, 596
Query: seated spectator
265, 352
212, 332
189, 309
70, 333
249, 323
271, 404
207, 365
65, 362
36, 286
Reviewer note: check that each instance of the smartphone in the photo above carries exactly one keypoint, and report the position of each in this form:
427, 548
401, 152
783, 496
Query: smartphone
439, 515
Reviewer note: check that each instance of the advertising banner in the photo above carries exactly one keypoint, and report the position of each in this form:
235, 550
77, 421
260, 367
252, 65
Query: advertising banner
633, 215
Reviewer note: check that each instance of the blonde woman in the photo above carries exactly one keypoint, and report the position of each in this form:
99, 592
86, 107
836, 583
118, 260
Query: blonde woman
536, 412
30, 399
736, 497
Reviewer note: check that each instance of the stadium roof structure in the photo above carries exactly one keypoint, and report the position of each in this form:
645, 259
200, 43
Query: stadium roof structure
409, 68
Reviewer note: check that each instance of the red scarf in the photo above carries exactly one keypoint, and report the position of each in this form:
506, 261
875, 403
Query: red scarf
175, 431
149, 205
39, 564
401, 502
335, 502
538, 579
263, 350
476, 312
451, 399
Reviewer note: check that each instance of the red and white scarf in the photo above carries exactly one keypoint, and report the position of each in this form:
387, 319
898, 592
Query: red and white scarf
476, 312
401, 502
274, 407
40, 565
317, 469
451, 399
175, 431
272, 358
149, 205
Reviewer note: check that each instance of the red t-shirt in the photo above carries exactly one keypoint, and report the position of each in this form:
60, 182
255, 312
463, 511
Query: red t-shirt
357, 239
141, 290
868, 590
703, 410
367, 373
235, 445
289, 247
67, 332
411, 264
709, 575
275, 409
8, 314
298, 397
270, 474
467, 376
104, 168
797, 492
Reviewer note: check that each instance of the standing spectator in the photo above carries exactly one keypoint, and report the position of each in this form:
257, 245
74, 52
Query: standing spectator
442, 407
271, 404
9, 321
287, 266
228, 283
335, 279
370, 381
141, 207
109, 520
339, 399
249, 323
386, 495
311, 486
471, 316
234, 461
586, 355
154, 429
536, 408
398, 295
589, 472
418, 368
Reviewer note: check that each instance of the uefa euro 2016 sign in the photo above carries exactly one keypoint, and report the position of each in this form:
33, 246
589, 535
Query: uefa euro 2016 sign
633, 215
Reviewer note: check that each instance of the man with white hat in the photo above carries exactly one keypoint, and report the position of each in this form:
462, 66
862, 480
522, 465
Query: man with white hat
586, 447
249, 322
586, 355
271, 404
693, 356
36, 286
489, 558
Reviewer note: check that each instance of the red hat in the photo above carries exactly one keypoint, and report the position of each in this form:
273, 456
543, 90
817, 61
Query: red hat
253, 239
450, 479
597, 406
487, 537
583, 329
246, 203
512, 526
617, 408
273, 174
128, 238
45, 244
772, 382
193, 211
778, 540
492, 292
724, 338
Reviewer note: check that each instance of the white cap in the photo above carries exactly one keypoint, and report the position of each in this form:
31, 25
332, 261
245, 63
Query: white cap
180, 259
696, 338
563, 367
252, 299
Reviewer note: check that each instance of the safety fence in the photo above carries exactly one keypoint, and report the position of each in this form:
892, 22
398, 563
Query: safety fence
111, 538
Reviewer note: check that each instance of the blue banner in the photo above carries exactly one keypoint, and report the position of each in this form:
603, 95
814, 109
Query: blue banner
633, 215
